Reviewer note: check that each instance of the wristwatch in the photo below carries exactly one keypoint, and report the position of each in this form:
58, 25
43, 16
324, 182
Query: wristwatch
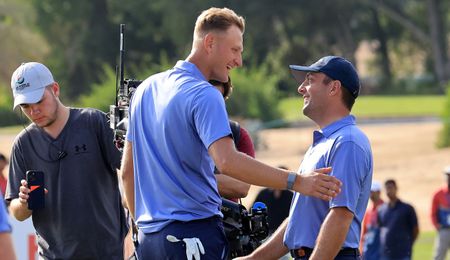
291, 180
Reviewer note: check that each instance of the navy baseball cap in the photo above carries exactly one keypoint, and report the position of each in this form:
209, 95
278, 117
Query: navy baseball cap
337, 68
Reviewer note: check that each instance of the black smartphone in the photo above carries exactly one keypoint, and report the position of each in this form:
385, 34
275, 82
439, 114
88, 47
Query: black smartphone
35, 181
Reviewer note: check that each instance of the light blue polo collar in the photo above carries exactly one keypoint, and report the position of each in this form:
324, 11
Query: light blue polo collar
191, 68
333, 127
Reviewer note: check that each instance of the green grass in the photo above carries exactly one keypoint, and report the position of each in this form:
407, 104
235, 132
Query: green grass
423, 248
375, 107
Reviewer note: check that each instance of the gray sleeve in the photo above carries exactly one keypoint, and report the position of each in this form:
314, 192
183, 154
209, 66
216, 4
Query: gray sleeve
17, 171
105, 134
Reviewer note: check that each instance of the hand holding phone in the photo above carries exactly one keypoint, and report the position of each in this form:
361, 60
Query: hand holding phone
35, 180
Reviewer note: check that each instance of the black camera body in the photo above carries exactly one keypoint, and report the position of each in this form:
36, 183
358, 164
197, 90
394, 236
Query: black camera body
244, 230
118, 113
125, 88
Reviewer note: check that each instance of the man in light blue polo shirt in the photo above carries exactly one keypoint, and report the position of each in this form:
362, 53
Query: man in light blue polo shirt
178, 130
319, 229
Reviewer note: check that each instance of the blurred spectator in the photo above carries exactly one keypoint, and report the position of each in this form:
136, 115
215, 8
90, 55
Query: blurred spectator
440, 216
370, 233
398, 226
3, 180
277, 202
6, 244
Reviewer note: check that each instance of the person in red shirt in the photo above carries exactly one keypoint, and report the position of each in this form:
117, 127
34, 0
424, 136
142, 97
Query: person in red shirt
370, 230
440, 216
3, 180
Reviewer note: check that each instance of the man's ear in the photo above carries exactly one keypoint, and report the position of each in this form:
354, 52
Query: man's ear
55, 89
208, 42
335, 87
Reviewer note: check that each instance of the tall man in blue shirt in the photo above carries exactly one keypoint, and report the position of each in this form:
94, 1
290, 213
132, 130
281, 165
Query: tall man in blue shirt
178, 131
318, 229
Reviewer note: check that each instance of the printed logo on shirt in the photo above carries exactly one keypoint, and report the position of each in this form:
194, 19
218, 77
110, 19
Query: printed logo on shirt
80, 148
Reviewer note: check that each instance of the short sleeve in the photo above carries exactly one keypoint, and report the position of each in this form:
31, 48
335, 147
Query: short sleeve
210, 116
17, 171
106, 138
348, 163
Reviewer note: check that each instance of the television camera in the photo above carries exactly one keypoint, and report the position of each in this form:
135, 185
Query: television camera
244, 230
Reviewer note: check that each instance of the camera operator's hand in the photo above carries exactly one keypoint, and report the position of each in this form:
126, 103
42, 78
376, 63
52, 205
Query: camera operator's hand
23, 192
19, 206
318, 184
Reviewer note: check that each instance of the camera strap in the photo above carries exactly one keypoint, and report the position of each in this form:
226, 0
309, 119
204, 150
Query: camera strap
235, 131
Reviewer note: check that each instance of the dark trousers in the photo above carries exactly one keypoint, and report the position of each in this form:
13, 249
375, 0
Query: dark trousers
209, 231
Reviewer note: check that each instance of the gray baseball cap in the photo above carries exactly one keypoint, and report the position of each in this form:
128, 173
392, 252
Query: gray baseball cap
28, 83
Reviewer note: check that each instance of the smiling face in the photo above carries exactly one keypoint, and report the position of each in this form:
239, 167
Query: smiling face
314, 90
225, 52
44, 112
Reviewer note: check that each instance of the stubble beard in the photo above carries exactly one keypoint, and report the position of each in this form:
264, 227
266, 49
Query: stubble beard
53, 116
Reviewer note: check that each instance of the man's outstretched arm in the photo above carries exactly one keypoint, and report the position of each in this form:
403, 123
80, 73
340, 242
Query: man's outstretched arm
242, 167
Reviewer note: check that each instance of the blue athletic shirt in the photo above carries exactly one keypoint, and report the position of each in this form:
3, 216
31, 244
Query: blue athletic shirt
4, 223
174, 117
343, 146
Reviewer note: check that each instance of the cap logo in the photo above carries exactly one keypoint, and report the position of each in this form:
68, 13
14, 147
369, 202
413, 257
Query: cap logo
20, 80
20, 85
322, 62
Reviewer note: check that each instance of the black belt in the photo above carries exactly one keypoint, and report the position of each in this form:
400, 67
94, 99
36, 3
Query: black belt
307, 251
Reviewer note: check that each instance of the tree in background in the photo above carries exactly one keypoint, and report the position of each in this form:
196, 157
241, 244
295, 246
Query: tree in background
426, 23
444, 134
288, 31
82, 40
19, 42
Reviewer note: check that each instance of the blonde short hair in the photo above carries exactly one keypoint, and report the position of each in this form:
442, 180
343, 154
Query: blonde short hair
217, 19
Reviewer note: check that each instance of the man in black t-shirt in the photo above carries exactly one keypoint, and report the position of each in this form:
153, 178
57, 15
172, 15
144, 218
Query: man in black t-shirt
83, 216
